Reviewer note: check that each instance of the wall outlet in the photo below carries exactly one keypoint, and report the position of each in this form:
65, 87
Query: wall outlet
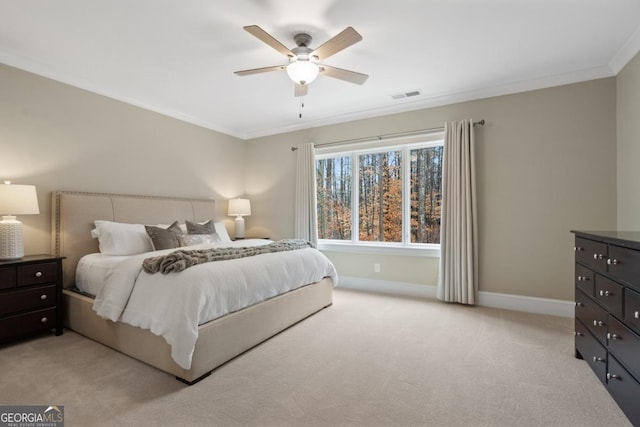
376, 268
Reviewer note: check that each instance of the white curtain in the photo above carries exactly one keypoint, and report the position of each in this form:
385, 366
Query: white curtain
305, 219
458, 277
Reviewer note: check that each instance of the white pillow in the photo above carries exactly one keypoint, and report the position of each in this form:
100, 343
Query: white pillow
221, 231
116, 238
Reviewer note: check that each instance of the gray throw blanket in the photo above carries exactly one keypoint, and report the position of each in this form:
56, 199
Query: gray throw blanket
182, 259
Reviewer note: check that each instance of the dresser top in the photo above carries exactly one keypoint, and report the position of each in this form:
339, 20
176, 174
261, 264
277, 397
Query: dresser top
629, 239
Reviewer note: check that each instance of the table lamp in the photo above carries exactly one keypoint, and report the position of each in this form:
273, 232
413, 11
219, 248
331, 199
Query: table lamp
15, 200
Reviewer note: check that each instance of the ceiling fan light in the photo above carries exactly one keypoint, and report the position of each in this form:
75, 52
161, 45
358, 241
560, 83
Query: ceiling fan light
303, 72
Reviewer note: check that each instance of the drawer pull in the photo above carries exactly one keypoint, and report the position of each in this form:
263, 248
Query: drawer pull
578, 249
583, 279
605, 294
579, 304
38, 274
577, 334
611, 336
43, 297
598, 359
598, 323
44, 320
636, 314
611, 376
613, 261
598, 256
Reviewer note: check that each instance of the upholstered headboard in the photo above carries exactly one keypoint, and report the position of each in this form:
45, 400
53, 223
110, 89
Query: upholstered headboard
73, 213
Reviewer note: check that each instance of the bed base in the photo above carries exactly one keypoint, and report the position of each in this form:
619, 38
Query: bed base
218, 341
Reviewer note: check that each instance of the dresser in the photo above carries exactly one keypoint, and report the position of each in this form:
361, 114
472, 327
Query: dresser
30, 296
607, 312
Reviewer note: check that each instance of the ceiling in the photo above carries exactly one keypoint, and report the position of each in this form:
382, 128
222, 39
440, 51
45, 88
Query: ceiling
177, 57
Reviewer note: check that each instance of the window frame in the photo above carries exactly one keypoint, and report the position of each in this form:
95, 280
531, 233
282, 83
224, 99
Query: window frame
404, 145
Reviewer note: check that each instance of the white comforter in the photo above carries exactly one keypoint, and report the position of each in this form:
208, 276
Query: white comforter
173, 305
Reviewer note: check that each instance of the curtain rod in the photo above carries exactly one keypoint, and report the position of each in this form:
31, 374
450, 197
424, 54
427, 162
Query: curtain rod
386, 136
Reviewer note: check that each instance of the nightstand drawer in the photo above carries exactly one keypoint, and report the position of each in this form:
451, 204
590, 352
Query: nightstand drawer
7, 277
33, 274
35, 321
27, 299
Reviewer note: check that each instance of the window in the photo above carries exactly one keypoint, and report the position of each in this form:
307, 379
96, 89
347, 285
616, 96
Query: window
387, 196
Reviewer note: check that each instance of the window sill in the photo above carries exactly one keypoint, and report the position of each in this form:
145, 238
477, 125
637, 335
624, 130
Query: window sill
389, 249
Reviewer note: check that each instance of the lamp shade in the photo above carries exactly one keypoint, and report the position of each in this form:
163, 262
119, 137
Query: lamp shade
303, 72
18, 200
239, 207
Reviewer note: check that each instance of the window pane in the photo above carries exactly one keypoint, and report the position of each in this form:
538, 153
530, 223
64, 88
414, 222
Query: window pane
380, 202
333, 180
426, 194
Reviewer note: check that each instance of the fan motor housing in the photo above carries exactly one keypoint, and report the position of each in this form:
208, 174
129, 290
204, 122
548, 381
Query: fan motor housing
302, 39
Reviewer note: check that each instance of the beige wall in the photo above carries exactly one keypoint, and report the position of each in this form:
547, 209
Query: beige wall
62, 138
546, 164
628, 117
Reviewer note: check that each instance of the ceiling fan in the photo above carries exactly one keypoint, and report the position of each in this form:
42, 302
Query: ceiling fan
304, 63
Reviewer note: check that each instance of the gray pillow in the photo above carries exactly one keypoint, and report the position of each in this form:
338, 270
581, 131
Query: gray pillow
208, 227
164, 238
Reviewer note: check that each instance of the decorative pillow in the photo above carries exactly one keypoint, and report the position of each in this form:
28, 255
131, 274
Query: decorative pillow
197, 239
116, 238
204, 228
164, 238
209, 227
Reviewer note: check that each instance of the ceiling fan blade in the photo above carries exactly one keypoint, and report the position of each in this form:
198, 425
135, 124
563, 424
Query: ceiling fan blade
268, 39
260, 70
346, 38
301, 90
346, 75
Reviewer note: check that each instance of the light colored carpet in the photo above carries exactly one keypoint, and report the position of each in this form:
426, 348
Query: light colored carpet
369, 360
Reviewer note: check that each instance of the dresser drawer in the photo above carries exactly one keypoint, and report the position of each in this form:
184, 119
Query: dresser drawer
594, 353
609, 295
632, 309
7, 277
625, 345
624, 264
27, 299
584, 279
592, 315
625, 390
33, 274
35, 321
594, 254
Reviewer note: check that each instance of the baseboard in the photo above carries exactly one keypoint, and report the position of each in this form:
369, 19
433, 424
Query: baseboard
487, 299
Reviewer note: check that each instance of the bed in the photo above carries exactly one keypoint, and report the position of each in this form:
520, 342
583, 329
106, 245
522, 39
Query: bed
218, 340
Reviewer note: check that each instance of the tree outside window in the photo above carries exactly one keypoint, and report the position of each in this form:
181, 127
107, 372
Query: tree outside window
394, 197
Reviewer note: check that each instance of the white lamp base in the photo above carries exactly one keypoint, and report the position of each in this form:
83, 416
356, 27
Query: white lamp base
239, 227
11, 241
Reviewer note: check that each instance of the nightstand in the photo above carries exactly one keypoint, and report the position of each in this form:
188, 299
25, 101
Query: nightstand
30, 296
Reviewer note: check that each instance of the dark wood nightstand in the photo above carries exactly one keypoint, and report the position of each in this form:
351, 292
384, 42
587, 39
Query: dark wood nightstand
30, 296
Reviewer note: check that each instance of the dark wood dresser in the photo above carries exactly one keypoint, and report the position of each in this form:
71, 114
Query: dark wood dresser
607, 313
30, 296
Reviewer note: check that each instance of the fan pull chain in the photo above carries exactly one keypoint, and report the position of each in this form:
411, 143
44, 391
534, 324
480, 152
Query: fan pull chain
301, 107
